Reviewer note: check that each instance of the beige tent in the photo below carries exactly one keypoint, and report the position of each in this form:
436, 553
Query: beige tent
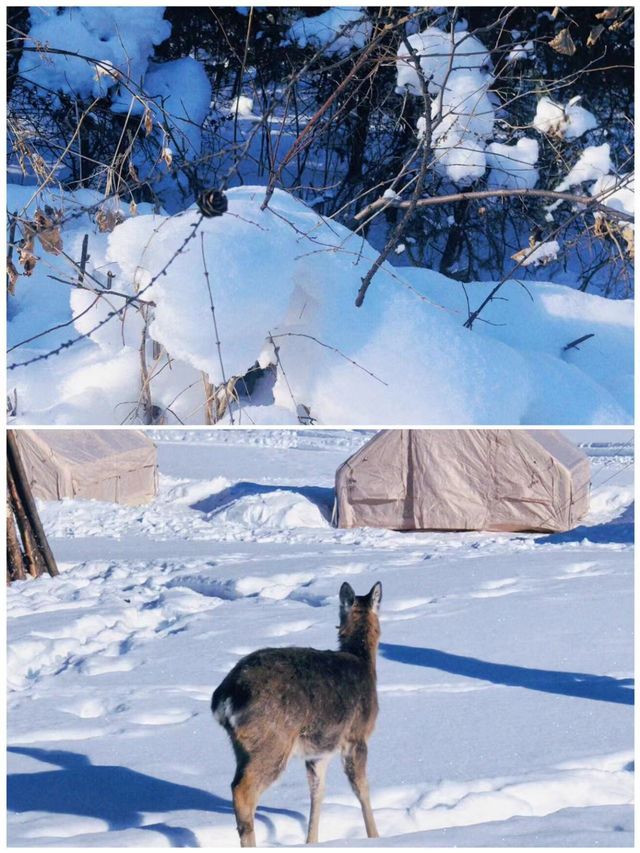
468, 479
106, 465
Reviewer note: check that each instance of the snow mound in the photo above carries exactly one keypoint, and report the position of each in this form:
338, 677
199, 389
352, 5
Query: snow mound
286, 278
253, 506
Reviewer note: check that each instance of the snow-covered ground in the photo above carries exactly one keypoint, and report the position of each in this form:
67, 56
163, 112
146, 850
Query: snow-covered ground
505, 670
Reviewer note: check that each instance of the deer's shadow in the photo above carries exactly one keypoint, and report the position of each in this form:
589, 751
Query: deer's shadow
115, 794
603, 688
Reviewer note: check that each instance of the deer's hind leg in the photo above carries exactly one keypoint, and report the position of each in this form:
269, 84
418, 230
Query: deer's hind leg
354, 761
256, 770
316, 774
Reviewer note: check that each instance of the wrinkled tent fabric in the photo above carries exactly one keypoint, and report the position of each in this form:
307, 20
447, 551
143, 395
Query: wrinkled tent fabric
472, 479
104, 465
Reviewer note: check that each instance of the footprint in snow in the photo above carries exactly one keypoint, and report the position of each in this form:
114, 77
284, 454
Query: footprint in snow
582, 570
497, 588
168, 717
289, 628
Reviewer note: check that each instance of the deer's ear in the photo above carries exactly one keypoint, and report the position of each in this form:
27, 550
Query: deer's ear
347, 597
375, 596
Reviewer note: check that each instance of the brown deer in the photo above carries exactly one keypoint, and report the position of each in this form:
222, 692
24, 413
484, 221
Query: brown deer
276, 703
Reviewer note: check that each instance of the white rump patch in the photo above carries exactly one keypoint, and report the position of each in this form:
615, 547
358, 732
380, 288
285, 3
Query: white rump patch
224, 713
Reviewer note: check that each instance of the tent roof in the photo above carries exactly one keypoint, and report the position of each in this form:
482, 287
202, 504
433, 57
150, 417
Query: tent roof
80, 447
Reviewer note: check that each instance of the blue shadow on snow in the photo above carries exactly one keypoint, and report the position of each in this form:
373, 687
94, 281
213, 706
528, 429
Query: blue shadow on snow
602, 688
320, 496
617, 531
117, 795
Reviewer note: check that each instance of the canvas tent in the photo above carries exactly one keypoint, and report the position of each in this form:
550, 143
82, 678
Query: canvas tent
471, 479
106, 465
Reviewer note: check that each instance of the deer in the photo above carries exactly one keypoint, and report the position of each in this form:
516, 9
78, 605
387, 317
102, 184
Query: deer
282, 702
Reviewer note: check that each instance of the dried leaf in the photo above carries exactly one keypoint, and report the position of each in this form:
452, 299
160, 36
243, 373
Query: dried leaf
51, 240
133, 173
600, 226
555, 12
107, 219
27, 259
628, 233
148, 121
521, 254
38, 165
618, 24
167, 156
563, 43
25, 252
12, 276
609, 14
595, 34
48, 231
133, 208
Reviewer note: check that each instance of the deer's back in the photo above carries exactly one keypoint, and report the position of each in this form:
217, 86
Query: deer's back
317, 698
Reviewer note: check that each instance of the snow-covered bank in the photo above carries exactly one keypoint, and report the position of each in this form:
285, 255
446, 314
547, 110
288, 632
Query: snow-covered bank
504, 721
285, 279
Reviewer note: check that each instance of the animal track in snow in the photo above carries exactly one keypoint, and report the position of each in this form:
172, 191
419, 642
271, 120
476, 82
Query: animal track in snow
497, 588
168, 717
581, 570
286, 628
403, 689
403, 604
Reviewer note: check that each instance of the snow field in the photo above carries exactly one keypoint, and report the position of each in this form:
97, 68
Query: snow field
501, 719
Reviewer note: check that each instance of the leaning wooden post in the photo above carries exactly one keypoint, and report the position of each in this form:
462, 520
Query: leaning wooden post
34, 562
26, 497
15, 557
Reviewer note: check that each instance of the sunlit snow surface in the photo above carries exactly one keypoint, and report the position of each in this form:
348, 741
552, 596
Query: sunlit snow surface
505, 670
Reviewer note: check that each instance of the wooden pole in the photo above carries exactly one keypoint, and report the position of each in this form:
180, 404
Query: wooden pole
15, 557
34, 563
26, 497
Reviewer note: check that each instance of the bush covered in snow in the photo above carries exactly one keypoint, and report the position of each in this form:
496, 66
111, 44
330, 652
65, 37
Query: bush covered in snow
355, 146
153, 104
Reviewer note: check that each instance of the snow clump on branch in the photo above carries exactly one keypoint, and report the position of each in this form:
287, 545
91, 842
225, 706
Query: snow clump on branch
335, 32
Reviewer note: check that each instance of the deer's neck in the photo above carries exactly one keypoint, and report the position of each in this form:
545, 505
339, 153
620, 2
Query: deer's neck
361, 640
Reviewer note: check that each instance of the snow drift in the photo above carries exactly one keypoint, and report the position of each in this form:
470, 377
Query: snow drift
285, 279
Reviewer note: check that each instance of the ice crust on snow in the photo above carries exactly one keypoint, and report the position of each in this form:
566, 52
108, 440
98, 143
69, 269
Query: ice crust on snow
308, 274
